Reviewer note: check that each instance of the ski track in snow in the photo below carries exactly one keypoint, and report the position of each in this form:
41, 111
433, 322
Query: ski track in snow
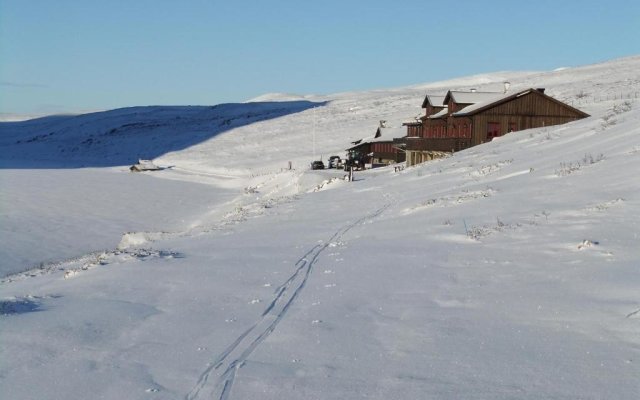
217, 380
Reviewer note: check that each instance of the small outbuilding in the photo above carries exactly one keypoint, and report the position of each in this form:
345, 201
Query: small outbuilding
379, 149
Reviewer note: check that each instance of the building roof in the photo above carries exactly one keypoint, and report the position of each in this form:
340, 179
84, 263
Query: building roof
417, 120
470, 97
388, 134
481, 104
382, 135
434, 100
503, 98
442, 113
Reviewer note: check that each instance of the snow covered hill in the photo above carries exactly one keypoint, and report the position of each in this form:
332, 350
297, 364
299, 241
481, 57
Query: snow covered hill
122, 136
509, 270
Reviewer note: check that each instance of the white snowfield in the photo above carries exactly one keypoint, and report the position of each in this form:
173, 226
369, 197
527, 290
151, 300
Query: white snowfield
506, 271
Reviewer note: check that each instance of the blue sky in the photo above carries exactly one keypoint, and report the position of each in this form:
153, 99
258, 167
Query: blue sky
74, 56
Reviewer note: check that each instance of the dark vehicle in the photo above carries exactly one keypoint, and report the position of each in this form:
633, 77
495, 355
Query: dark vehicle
334, 161
317, 165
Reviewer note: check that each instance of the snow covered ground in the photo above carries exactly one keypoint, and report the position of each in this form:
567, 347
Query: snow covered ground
509, 270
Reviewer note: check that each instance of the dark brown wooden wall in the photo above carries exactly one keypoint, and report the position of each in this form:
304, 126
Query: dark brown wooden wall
414, 130
386, 151
430, 110
434, 128
444, 145
532, 110
383, 147
481, 121
395, 157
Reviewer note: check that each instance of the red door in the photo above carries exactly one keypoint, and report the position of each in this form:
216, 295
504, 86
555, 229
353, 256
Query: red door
493, 130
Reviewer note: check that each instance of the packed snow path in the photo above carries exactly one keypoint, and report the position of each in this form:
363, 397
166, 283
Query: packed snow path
217, 380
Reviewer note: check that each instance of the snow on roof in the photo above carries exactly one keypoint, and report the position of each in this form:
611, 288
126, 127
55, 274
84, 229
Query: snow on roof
490, 100
441, 113
386, 135
414, 122
434, 100
472, 97
367, 139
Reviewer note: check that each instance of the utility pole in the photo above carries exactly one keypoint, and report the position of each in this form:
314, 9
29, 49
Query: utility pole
314, 133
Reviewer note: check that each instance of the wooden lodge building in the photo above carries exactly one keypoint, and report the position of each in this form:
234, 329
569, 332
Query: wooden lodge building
380, 148
461, 120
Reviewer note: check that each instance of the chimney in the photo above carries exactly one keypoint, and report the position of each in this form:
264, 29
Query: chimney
473, 90
540, 89
507, 85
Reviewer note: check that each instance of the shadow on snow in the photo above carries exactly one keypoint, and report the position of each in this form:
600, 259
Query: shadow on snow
18, 306
122, 136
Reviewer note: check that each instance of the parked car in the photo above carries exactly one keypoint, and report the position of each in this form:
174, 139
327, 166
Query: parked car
333, 162
317, 165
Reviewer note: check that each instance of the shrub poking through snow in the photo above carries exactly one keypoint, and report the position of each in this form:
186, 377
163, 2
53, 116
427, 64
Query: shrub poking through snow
571, 167
609, 119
